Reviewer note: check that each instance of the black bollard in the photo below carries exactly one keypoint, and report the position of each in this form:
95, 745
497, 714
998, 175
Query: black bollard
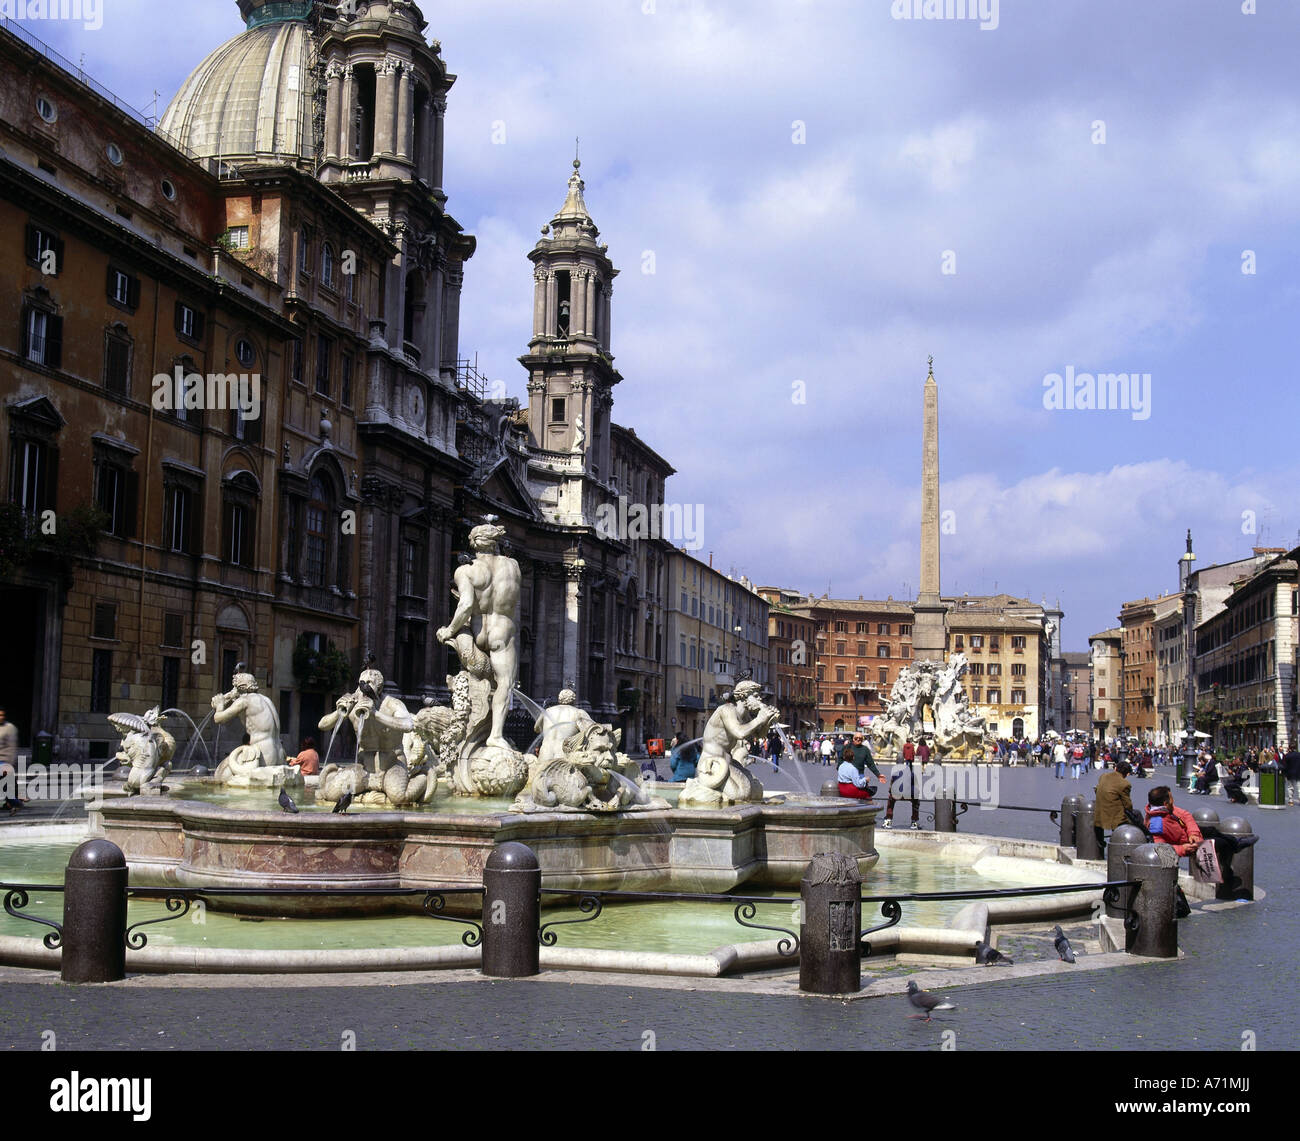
1123, 840
1205, 818
1085, 832
1239, 867
1154, 932
830, 958
945, 808
94, 914
512, 903
1069, 806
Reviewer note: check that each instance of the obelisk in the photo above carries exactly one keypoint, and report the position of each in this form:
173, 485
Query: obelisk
929, 636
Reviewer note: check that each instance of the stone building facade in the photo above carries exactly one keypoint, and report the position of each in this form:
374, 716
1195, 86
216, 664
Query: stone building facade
716, 629
289, 222
1077, 682
1107, 680
792, 649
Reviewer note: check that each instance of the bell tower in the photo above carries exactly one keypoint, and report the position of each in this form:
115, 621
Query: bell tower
571, 374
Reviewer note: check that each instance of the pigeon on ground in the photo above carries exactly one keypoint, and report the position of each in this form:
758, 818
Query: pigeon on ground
925, 1002
344, 802
286, 802
1063, 948
987, 956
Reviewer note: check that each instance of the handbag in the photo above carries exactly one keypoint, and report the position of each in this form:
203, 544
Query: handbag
1205, 864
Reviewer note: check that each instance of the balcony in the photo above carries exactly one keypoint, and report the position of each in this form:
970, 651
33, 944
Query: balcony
687, 701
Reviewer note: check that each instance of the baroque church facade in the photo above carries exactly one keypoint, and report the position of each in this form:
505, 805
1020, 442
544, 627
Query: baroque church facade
287, 221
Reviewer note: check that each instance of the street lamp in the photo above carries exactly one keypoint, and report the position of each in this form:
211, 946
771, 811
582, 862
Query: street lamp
1187, 757
1123, 692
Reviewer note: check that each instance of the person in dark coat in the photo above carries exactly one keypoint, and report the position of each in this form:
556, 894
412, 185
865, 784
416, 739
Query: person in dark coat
1114, 801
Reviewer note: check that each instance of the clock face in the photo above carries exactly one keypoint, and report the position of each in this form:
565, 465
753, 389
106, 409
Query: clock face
415, 404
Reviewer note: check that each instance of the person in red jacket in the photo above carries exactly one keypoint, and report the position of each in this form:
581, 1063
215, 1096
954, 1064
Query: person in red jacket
1170, 825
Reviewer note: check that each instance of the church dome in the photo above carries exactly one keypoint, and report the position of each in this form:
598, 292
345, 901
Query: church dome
253, 96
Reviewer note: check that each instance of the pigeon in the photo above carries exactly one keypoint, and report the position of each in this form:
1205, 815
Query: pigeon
286, 802
1063, 948
344, 802
925, 1002
987, 956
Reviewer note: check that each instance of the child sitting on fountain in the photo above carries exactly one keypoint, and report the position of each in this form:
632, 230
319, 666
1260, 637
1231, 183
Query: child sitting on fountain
307, 760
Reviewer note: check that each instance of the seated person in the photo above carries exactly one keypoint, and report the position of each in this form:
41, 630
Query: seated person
307, 760
852, 775
1232, 781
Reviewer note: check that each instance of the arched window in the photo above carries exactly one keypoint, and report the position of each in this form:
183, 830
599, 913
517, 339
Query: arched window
327, 265
316, 530
239, 518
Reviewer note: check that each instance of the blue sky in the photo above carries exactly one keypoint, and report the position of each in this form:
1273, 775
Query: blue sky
778, 261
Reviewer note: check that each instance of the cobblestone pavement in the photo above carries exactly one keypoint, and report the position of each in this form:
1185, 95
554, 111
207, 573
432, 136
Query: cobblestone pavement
1237, 979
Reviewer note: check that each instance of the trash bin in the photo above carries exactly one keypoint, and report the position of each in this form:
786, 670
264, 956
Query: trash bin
1272, 786
1186, 763
655, 747
43, 748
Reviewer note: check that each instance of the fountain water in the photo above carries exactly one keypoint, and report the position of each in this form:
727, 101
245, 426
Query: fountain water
196, 737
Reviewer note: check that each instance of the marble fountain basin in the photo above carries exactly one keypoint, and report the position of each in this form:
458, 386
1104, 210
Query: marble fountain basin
172, 842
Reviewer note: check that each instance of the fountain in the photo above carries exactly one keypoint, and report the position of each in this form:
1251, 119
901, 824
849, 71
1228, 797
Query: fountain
440, 788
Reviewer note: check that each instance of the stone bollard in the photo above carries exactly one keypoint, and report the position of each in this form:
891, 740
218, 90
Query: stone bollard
1239, 867
1085, 832
831, 788
1123, 840
512, 902
94, 914
830, 958
1154, 934
945, 808
1205, 818
1069, 806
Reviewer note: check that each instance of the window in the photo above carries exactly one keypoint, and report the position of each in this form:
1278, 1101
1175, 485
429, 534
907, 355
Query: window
101, 681
1018, 643
105, 625
977, 641
327, 266
681, 653
295, 360
238, 513
995, 644
1017, 697
1101, 692
839, 673
882, 650
173, 628
44, 249
975, 693
123, 289
841, 699
30, 484
994, 697
178, 532
841, 627
117, 362
862, 649
189, 322
1017, 669
862, 628
995, 669
168, 189
171, 683
958, 642
116, 491
42, 337
839, 648
351, 286
345, 392
412, 570
316, 535
46, 110
245, 354
304, 251
557, 409
905, 631
882, 629
237, 238
883, 676
862, 677
324, 351
904, 651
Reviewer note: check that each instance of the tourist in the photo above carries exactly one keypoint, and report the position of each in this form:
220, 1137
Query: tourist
852, 775
8, 763
1167, 824
1076, 757
1059, 756
1232, 780
682, 762
828, 750
774, 749
307, 760
1291, 771
903, 782
1114, 801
